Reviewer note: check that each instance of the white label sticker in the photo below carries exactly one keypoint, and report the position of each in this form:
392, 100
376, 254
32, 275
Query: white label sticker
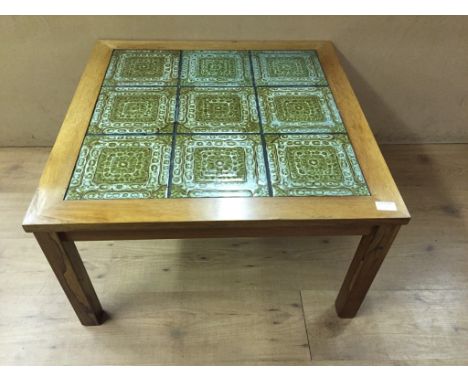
386, 206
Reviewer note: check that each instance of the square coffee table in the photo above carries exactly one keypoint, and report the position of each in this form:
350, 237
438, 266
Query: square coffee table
174, 139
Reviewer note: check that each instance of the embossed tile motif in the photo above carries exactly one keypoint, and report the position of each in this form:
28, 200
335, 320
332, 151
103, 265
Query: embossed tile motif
299, 110
314, 165
143, 68
126, 110
228, 108
273, 68
121, 167
216, 68
219, 166
218, 110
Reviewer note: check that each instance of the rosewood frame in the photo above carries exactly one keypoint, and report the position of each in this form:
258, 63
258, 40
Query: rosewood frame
57, 223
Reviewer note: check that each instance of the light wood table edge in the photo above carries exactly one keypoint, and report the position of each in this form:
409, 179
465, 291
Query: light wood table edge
215, 44
304, 226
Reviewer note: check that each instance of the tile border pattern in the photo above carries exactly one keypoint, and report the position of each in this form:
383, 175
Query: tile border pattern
267, 172
233, 67
147, 177
336, 171
282, 110
239, 161
139, 61
226, 109
116, 107
303, 70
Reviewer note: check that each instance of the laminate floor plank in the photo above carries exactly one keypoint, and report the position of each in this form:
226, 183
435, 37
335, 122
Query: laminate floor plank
159, 328
397, 327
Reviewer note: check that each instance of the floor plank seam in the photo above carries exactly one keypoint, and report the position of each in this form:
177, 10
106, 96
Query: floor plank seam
305, 324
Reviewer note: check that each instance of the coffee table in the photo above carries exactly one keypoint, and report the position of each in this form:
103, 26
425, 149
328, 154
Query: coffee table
178, 139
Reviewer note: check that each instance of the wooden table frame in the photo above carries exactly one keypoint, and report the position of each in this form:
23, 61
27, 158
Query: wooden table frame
57, 223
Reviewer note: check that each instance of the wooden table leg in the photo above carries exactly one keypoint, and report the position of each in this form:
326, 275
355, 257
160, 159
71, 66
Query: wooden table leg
67, 265
363, 269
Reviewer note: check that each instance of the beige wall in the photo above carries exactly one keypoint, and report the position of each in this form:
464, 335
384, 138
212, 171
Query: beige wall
410, 73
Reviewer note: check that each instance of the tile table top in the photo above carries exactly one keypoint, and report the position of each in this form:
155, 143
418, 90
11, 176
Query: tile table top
215, 134
188, 124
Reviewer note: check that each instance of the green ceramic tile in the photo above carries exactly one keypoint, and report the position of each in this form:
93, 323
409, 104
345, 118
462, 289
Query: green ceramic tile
218, 110
121, 167
143, 68
139, 110
215, 68
299, 110
272, 68
218, 166
314, 165
127, 152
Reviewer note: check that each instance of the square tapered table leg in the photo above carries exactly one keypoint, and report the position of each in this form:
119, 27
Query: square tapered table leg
68, 267
369, 256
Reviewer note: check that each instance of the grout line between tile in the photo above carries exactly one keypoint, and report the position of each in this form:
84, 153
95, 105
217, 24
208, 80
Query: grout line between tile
154, 134
293, 86
136, 86
307, 133
212, 86
174, 131
262, 136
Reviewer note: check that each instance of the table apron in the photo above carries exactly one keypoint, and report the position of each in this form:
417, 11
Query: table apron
193, 233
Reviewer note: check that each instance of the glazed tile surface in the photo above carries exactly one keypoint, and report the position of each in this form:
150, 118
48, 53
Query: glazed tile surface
218, 166
126, 110
218, 110
215, 124
299, 110
314, 165
121, 167
273, 68
142, 68
216, 68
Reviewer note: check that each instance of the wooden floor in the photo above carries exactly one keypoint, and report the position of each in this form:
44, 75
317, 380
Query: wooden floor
247, 301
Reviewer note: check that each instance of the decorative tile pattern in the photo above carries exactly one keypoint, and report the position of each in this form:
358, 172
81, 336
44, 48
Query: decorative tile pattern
212, 68
134, 110
314, 165
121, 167
299, 110
142, 68
272, 68
218, 166
218, 110
219, 146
